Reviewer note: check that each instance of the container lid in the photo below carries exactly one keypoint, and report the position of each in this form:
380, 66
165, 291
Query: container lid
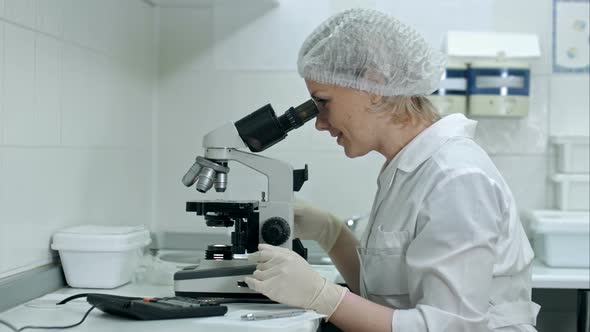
499, 64
483, 44
456, 64
101, 238
571, 177
560, 222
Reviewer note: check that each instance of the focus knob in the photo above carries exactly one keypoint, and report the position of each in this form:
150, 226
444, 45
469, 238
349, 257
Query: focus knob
275, 231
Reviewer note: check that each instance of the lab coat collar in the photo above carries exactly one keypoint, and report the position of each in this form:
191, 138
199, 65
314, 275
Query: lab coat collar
431, 139
419, 149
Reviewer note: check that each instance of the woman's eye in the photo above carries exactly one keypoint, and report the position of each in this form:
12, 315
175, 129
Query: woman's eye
321, 103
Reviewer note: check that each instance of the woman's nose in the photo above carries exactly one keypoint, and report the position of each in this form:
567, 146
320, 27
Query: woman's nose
321, 123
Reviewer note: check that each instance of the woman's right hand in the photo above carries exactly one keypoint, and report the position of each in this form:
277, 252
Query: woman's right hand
312, 223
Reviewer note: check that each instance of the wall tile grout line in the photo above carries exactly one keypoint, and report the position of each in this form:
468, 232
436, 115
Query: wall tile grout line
3, 81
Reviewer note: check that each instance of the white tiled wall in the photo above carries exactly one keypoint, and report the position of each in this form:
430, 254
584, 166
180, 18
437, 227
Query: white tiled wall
223, 75
569, 104
31, 97
1, 73
76, 90
22, 12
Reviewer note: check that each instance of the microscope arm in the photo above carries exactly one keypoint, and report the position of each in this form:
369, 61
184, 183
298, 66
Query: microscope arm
221, 144
257, 132
279, 174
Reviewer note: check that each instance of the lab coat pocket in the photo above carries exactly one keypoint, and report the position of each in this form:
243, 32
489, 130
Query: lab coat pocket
383, 268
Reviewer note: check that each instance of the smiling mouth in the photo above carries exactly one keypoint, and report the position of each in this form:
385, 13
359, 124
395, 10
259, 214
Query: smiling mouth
338, 137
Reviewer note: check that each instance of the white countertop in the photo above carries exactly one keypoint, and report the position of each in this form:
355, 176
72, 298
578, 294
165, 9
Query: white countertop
543, 276
44, 312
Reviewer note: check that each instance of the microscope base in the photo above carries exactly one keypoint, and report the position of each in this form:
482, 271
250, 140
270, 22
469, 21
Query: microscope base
225, 282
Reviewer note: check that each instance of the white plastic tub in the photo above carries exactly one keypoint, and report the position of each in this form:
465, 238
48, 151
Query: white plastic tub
572, 191
573, 153
562, 238
100, 256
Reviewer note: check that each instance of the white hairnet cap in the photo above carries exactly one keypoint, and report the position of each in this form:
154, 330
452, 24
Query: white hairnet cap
368, 50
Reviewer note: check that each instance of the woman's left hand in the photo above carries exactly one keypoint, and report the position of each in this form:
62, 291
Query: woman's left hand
285, 277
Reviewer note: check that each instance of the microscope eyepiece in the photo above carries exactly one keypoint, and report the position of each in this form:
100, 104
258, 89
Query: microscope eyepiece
296, 117
262, 129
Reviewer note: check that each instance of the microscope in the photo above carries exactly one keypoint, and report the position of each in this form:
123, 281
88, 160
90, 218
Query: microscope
269, 220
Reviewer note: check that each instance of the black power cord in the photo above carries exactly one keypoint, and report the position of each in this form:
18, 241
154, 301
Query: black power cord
15, 329
48, 327
222, 309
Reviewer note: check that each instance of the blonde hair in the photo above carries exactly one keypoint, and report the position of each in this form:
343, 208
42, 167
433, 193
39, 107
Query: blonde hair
405, 109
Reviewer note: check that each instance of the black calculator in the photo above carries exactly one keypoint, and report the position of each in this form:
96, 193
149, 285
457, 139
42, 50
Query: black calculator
153, 308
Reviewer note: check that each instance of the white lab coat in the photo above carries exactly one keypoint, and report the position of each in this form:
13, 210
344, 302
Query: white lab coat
444, 244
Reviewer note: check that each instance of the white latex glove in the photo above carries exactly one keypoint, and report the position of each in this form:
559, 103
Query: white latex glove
315, 224
285, 277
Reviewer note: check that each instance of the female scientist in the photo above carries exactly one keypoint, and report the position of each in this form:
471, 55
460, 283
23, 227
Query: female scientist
444, 248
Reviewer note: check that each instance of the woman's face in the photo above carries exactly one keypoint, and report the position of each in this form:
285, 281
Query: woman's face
346, 114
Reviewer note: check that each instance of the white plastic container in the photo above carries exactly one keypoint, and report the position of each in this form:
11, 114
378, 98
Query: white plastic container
573, 153
572, 191
562, 238
100, 256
